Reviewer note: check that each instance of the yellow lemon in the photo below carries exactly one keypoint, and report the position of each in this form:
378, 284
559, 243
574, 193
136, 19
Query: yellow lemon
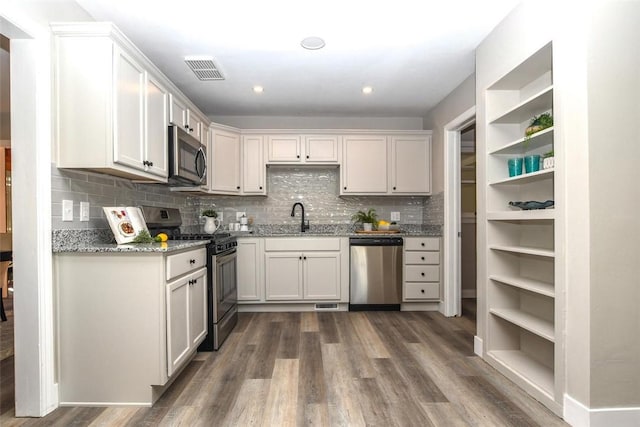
162, 237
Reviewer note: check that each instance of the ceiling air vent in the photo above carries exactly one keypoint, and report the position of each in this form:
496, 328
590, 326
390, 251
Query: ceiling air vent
204, 68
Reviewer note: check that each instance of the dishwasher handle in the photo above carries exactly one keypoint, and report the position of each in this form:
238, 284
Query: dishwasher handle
375, 241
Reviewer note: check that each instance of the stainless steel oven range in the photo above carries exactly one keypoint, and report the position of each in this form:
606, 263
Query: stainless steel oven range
222, 309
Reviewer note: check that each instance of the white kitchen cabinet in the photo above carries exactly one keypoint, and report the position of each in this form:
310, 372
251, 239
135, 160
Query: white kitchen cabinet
421, 269
180, 114
321, 149
303, 269
111, 103
224, 162
410, 165
254, 171
284, 149
251, 274
364, 165
127, 322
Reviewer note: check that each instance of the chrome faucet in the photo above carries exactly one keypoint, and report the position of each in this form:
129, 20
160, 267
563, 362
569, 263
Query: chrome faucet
303, 225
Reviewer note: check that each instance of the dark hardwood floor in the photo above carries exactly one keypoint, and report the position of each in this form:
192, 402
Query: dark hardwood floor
326, 369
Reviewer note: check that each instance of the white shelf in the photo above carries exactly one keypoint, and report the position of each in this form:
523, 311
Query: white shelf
522, 215
535, 325
536, 286
524, 250
521, 146
528, 108
524, 366
525, 178
529, 70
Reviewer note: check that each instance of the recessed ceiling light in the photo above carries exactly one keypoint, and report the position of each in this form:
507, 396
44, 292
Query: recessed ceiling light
258, 89
312, 43
367, 90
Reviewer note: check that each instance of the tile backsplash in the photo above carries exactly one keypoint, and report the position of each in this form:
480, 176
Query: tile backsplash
316, 187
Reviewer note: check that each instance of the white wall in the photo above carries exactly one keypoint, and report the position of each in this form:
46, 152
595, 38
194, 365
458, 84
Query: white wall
457, 102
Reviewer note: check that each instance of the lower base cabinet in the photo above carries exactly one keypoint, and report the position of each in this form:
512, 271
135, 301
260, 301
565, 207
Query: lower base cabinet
126, 323
421, 269
302, 275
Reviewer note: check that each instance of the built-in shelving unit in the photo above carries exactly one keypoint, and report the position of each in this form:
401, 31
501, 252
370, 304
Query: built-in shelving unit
524, 340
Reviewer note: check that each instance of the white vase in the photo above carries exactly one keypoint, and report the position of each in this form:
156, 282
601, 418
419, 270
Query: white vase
211, 224
367, 226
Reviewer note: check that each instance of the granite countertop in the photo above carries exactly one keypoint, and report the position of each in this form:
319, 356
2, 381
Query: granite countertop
339, 230
94, 241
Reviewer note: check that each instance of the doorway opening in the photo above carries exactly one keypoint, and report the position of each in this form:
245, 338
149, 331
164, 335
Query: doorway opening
468, 259
452, 233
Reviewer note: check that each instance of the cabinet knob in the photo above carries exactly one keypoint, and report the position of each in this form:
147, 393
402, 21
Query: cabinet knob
238, 187
190, 282
195, 281
192, 261
422, 274
300, 257
422, 291
422, 258
190, 129
394, 188
150, 163
307, 156
345, 188
261, 187
298, 156
186, 127
304, 258
422, 244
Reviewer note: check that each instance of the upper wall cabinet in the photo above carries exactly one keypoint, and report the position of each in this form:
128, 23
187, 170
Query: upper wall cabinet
111, 107
254, 172
302, 149
181, 115
224, 162
386, 165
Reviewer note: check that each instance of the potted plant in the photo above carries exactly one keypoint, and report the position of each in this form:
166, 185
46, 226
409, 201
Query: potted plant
211, 223
548, 160
368, 219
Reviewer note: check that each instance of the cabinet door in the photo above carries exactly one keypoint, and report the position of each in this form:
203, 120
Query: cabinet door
250, 276
321, 275
156, 147
195, 125
254, 171
321, 149
129, 83
283, 275
178, 112
178, 343
364, 165
224, 161
411, 165
283, 149
197, 307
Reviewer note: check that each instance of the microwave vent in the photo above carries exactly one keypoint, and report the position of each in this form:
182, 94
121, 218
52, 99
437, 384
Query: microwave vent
204, 68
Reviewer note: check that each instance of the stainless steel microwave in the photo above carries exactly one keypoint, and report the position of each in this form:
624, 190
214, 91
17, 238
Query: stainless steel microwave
187, 158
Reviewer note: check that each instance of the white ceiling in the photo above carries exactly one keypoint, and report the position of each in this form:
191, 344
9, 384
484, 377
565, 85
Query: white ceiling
413, 53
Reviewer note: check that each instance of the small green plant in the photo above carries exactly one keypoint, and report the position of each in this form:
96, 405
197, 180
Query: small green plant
210, 213
362, 217
538, 123
143, 236
547, 154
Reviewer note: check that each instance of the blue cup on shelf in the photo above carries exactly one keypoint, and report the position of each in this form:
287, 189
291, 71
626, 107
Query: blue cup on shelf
515, 166
532, 163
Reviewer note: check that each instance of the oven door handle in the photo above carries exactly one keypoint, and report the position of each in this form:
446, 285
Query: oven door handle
226, 258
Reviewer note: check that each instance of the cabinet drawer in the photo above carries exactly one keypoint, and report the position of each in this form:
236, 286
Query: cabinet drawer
425, 290
184, 262
422, 243
422, 273
422, 257
301, 244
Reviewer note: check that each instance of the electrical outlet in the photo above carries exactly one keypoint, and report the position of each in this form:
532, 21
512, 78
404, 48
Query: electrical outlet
395, 216
67, 210
84, 211
240, 215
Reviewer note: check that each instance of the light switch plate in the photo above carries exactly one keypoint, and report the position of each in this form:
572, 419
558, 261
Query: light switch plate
84, 211
395, 216
67, 210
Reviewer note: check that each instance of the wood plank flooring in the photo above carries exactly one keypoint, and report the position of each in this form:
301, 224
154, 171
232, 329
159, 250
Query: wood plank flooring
327, 369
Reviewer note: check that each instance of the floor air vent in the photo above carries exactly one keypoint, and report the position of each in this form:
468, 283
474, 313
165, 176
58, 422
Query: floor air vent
326, 306
204, 68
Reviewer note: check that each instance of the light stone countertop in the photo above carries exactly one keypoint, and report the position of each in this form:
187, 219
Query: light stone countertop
340, 230
101, 241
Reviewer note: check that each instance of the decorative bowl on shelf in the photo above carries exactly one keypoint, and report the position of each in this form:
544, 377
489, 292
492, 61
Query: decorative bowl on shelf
532, 204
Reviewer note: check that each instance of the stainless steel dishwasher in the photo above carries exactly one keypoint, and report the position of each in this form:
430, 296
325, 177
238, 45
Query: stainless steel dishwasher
375, 273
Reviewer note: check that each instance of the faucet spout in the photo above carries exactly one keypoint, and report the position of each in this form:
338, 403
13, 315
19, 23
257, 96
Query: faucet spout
303, 225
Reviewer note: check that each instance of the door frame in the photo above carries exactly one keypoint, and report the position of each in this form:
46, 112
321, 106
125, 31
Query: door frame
36, 390
452, 206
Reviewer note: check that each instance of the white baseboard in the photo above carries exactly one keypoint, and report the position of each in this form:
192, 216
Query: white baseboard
578, 415
469, 293
477, 345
